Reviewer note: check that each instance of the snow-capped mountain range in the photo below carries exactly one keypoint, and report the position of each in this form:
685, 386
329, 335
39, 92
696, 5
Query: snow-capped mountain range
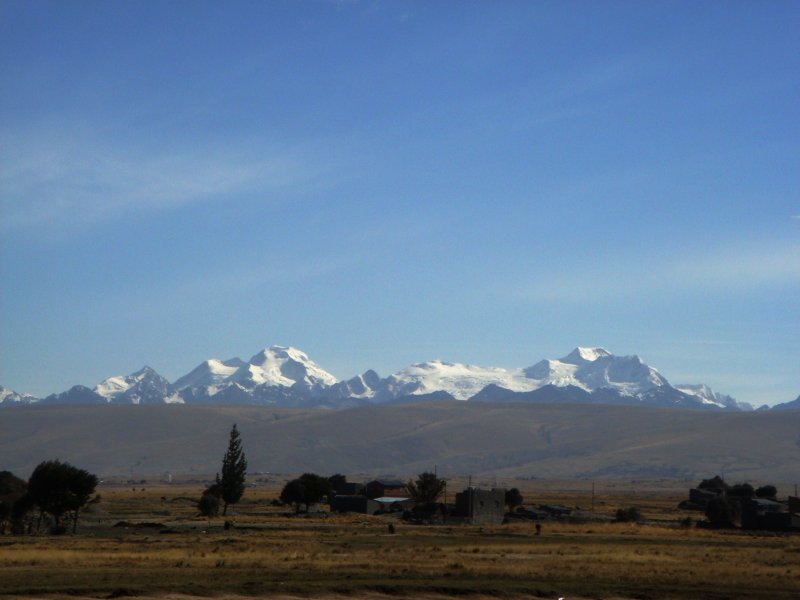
286, 376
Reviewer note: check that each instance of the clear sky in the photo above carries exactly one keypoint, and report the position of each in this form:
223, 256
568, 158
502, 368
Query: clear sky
381, 183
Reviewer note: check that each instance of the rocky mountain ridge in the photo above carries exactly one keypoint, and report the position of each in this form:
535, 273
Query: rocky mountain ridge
286, 377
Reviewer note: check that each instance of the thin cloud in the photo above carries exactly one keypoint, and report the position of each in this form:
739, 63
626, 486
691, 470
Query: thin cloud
78, 180
733, 269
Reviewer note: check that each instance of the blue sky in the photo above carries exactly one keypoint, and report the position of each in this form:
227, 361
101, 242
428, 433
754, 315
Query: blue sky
381, 183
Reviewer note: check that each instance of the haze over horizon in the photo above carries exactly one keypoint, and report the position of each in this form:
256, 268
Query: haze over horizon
383, 183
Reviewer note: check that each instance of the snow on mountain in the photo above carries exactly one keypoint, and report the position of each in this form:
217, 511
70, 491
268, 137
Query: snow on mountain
586, 368
283, 366
142, 387
359, 387
712, 398
209, 373
459, 380
581, 355
9, 397
286, 376
596, 368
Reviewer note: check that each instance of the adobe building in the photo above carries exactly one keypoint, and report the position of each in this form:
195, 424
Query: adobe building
481, 507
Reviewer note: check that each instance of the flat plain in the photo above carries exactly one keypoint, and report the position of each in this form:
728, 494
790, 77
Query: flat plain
146, 539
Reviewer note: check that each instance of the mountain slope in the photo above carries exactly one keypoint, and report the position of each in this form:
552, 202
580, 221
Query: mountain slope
527, 440
793, 405
10, 397
142, 387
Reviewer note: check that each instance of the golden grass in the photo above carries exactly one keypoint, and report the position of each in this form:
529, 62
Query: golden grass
268, 553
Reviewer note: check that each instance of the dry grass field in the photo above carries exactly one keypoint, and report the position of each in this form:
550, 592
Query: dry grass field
168, 551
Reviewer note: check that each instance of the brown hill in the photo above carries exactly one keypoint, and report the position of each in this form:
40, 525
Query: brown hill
542, 440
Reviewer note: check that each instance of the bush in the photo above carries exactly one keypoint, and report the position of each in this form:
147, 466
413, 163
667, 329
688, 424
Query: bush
767, 491
741, 490
629, 515
722, 512
208, 505
513, 499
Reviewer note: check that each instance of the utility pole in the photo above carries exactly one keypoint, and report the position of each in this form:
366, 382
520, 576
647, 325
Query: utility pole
593, 496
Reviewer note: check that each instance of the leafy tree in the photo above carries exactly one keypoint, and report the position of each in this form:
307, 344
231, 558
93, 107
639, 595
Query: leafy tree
210, 501
293, 493
513, 499
767, 491
722, 512
209, 504
13, 503
307, 489
741, 490
234, 470
427, 488
59, 488
716, 484
337, 482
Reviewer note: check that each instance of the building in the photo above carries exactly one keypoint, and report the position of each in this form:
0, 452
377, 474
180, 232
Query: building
354, 503
481, 507
768, 515
378, 488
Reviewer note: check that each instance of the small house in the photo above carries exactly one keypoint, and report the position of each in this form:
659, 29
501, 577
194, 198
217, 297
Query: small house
356, 503
481, 507
378, 488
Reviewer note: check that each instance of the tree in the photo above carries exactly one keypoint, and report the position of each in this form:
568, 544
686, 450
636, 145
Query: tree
338, 482
721, 512
13, 505
513, 499
426, 488
716, 485
208, 504
59, 488
234, 470
767, 491
741, 490
307, 489
210, 501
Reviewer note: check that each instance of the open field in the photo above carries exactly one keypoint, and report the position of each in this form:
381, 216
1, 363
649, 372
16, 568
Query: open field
167, 550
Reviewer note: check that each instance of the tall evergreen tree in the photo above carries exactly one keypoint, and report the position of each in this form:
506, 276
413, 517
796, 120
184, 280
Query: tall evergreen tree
234, 470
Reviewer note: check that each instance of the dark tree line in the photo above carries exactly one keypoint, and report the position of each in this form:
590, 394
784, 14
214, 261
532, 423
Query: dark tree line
58, 490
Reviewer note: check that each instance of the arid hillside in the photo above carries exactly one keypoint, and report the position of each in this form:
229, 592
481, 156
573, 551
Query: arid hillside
507, 440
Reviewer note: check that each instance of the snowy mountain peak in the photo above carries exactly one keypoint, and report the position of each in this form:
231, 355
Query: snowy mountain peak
581, 355
286, 376
143, 386
9, 397
709, 397
459, 380
209, 373
286, 366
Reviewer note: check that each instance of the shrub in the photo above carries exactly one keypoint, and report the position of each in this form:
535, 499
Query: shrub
208, 505
629, 515
767, 491
722, 512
